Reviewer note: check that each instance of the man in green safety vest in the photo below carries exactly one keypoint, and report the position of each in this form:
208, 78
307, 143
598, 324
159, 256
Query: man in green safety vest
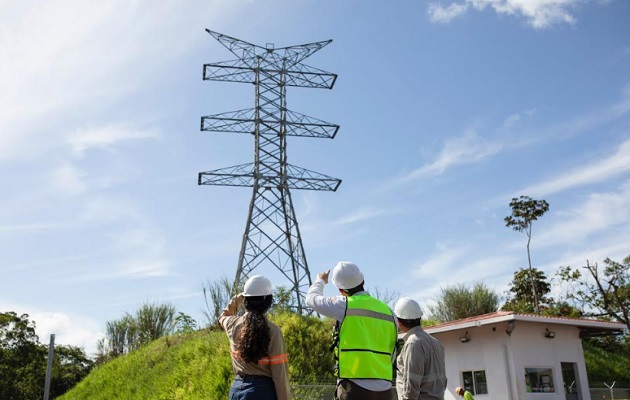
365, 336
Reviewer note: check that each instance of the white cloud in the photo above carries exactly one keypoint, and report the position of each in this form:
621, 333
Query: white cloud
359, 215
461, 264
440, 14
469, 148
146, 247
142, 268
512, 120
577, 258
60, 56
68, 329
539, 14
598, 171
27, 227
600, 214
105, 137
445, 259
467, 262
68, 180
318, 231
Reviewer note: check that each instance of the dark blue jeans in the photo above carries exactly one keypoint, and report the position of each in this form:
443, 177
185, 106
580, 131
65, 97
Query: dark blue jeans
253, 388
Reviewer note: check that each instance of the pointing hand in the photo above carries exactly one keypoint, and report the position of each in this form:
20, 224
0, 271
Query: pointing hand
324, 276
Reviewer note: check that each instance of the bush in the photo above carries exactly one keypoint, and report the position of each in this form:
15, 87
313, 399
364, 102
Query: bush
308, 341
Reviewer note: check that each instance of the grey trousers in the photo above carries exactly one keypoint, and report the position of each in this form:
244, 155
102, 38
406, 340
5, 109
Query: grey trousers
348, 390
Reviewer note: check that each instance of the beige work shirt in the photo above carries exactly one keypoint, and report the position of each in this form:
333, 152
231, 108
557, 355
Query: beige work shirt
420, 367
274, 366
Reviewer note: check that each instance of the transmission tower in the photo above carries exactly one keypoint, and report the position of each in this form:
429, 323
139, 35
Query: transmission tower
272, 236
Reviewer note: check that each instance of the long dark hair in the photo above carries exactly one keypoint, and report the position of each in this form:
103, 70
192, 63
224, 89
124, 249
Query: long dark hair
254, 337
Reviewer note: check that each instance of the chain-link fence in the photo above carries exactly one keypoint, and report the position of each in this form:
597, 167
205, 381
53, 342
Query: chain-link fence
322, 390
313, 392
610, 394
325, 390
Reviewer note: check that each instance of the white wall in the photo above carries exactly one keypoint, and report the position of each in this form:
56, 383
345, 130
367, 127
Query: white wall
504, 358
532, 349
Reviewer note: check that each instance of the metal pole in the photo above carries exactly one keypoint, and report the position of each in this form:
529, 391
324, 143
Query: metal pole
51, 352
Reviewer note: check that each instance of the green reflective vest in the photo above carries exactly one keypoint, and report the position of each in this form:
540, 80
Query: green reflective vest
367, 338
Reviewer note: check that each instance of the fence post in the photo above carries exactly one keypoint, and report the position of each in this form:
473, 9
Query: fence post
612, 393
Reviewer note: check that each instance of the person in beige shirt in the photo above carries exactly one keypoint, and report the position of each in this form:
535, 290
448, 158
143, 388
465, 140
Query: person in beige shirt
421, 371
259, 356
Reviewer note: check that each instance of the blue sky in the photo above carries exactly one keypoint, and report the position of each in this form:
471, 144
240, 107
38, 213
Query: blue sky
447, 111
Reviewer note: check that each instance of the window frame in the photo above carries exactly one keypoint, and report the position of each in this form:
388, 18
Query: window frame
476, 386
539, 378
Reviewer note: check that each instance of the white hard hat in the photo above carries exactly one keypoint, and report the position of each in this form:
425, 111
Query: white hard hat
346, 275
257, 285
407, 308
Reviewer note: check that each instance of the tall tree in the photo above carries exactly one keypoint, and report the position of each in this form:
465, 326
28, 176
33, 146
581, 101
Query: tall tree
603, 293
521, 298
526, 210
460, 301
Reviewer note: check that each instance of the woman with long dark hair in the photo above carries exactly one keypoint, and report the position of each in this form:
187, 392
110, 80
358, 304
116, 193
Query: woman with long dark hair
259, 357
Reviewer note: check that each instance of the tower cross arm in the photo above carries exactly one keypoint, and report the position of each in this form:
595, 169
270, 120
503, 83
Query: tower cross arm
303, 125
302, 75
304, 179
229, 71
240, 48
238, 175
241, 121
298, 53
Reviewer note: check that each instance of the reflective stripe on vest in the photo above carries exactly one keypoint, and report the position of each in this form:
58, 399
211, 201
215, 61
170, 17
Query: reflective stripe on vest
366, 339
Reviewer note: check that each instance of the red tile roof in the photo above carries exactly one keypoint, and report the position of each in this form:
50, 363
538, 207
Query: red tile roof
501, 316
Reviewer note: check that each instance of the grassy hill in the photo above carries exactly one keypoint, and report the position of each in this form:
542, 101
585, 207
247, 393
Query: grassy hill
197, 366
187, 367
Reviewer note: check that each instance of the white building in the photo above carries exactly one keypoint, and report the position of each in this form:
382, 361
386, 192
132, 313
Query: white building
509, 356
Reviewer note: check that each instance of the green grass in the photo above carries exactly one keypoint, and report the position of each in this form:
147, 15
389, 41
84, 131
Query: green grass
187, 367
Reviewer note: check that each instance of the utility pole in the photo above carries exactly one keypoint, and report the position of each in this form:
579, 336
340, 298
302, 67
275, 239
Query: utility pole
272, 236
51, 354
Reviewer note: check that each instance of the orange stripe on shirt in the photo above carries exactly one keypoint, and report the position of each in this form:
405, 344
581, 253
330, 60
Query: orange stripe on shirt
278, 359
273, 360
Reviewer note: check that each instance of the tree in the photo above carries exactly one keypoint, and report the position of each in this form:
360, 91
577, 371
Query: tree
526, 210
21, 358
521, 298
70, 366
387, 296
23, 361
184, 323
284, 300
603, 293
122, 336
308, 340
459, 301
216, 295
154, 321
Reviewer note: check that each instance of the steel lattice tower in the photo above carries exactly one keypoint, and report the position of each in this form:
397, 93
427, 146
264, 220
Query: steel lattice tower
272, 236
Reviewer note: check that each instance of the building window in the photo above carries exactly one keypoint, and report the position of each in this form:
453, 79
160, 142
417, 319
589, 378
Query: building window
475, 381
539, 380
